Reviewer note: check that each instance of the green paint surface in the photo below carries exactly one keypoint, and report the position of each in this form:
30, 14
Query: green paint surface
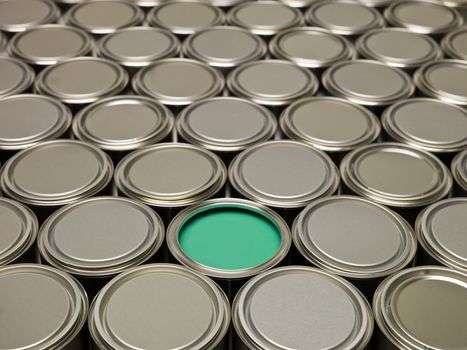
229, 237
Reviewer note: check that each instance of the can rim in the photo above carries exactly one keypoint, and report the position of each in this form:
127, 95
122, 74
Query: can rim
458, 171
26, 80
52, 16
3, 42
298, 3
447, 44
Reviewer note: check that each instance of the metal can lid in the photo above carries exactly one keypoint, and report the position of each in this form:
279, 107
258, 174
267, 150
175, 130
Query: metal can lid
81, 80
56, 173
298, 307
215, 238
373, 241
224, 46
330, 124
49, 44
459, 169
350, 80
43, 299
344, 17
185, 17
421, 16
16, 75
104, 16
429, 124
100, 236
19, 15
454, 44
226, 124
444, 79
190, 174
398, 47
272, 82
284, 174
28, 119
123, 123
298, 3
178, 81
435, 297
395, 174
138, 46
185, 310
264, 17
18, 231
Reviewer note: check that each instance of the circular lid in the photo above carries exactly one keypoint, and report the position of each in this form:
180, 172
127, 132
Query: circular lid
185, 310
123, 123
19, 15
189, 174
396, 174
398, 47
459, 169
81, 80
264, 17
298, 307
423, 308
431, 125
366, 82
224, 46
421, 16
28, 119
16, 76
101, 236
441, 232
285, 174
368, 241
185, 17
178, 81
138, 46
18, 230
50, 44
330, 124
272, 82
455, 44
42, 307
56, 173
311, 47
343, 17
444, 80
226, 124
104, 16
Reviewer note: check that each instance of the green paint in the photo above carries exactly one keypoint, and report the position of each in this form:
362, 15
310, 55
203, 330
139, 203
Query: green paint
229, 237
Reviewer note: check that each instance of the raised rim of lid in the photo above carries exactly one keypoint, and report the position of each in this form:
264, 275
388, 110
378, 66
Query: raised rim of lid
27, 78
447, 44
458, 169
51, 17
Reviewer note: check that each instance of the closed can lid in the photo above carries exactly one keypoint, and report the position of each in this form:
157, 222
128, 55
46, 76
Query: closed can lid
138, 46
264, 17
81, 80
367, 82
42, 307
284, 174
16, 76
398, 47
28, 119
343, 17
459, 169
19, 15
431, 125
55, 173
396, 175
420, 16
367, 241
272, 82
190, 174
423, 308
226, 124
100, 236
104, 16
18, 230
185, 17
330, 124
178, 81
298, 307
184, 309
224, 46
455, 44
